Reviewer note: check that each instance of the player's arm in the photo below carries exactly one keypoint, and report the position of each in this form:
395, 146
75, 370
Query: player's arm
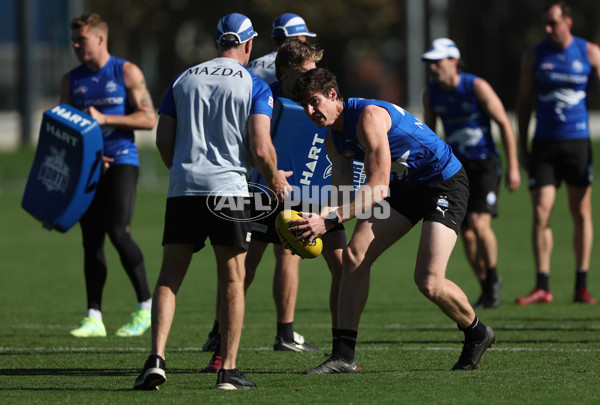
65, 91
165, 138
372, 128
373, 124
342, 175
492, 105
263, 154
429, 116
525, 103
594, 56
138, 97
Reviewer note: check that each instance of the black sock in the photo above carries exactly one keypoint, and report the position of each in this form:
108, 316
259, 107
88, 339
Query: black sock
543, 281
286, 331
492, 275
484, 285
475, 332
344, 344
218, 349
334, 338
215, 327
580, 279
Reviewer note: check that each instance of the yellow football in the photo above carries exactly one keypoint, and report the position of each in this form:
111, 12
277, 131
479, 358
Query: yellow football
282, 226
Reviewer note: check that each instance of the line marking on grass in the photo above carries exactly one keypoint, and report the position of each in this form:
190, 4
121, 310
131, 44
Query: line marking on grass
266, 348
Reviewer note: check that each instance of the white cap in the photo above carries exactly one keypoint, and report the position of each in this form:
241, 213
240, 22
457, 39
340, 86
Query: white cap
441, 48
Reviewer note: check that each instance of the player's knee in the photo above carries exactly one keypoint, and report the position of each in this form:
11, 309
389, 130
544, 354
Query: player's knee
119, 234
541, 214
580, 214
428, 287
334, 262
481, 228
352, 259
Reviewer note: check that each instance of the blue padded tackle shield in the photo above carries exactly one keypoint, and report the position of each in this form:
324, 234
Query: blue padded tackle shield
66, 168
300, 147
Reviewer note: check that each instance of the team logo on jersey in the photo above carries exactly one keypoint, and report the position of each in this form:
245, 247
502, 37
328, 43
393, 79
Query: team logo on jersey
577, 66
79, 90
271, 101
54, 173
111, 86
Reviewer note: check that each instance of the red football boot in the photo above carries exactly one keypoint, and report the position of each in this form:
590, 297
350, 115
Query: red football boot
537, 296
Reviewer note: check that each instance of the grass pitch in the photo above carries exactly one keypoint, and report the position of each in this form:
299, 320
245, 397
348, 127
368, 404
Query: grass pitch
545, 354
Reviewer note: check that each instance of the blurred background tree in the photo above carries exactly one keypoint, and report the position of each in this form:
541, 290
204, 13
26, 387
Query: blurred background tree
373, 46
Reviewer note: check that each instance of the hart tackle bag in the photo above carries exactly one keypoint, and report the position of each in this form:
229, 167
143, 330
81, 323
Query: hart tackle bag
300, 147
66, 168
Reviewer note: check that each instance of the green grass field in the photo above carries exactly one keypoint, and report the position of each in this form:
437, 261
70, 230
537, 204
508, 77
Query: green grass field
545, 354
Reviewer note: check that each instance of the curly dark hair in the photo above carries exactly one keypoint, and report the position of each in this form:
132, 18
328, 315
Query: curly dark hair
317, 80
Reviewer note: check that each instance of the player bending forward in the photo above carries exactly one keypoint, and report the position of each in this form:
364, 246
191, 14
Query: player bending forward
428, 183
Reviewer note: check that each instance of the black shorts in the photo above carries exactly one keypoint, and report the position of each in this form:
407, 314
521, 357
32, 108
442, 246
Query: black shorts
263, 229
444, 202
484, 182
190, 220
554, 161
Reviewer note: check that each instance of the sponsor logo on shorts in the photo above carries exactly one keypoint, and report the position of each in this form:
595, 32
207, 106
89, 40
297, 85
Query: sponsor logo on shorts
442, 205
262, 228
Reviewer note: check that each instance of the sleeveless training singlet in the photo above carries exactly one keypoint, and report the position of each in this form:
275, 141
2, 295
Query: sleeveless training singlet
418, 155
105, 90
466, 126
561, 77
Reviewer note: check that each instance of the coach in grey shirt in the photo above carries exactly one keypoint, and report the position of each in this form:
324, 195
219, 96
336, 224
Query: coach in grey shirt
214, 120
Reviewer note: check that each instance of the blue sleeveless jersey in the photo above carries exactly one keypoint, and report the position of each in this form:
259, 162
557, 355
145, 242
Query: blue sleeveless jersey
419, 156
276, 89
466, 125
105, 90
562, 77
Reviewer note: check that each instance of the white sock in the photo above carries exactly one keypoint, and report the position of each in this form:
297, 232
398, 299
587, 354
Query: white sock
147, 305
95, 313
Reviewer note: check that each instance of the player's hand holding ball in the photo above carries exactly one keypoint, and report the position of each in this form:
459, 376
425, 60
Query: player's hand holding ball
303, 249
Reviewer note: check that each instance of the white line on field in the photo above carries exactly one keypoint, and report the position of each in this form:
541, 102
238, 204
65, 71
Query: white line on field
367, 348
385, 326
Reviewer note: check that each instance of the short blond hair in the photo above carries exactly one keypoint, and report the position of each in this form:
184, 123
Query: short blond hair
295, 53
90, 20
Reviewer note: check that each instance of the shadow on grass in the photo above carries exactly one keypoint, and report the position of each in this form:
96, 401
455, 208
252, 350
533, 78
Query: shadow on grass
84, 372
